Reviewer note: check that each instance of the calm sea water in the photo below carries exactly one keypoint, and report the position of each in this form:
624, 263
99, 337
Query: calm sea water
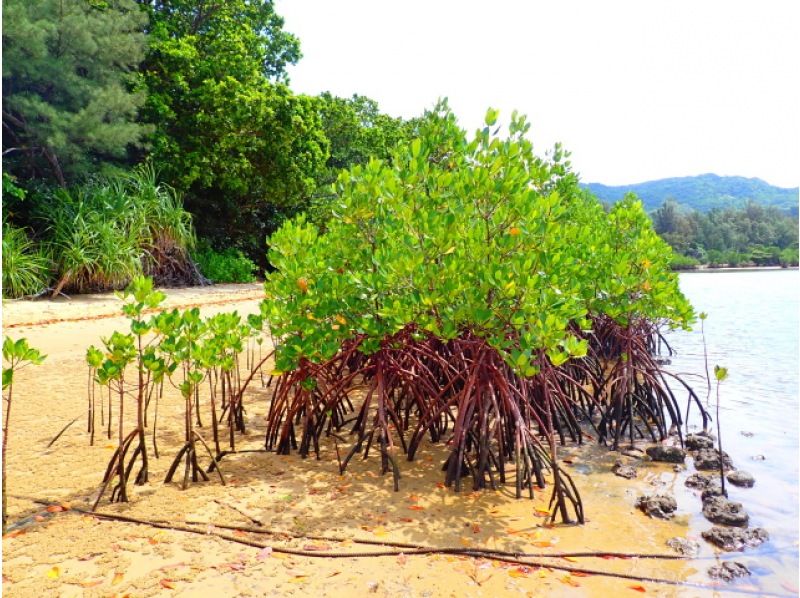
753, 329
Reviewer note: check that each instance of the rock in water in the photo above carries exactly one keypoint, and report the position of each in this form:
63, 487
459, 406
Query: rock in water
624, 471
741, 478
728, 571
695, 442
666, 454
714, 488
660, 506
633, 453
732, 538
684, 546
718, 509
708, 460
698, 480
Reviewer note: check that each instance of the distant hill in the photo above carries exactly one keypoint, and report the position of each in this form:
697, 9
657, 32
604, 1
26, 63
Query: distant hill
703, 192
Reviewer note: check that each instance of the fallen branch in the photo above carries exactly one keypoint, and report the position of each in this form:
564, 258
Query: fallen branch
520, 559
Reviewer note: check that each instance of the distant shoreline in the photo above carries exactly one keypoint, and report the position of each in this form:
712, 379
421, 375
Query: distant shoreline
734, 268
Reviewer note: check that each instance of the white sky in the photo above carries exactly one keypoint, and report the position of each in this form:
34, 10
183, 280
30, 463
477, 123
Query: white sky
636, 89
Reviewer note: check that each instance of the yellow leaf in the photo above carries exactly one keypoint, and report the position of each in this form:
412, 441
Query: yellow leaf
449, 251
570, 559
380, 531
117, 578
54, 573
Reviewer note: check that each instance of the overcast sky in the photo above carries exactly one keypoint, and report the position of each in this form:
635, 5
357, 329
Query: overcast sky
637, 89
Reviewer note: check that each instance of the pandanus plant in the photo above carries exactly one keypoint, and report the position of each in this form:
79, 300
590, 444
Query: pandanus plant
16, 356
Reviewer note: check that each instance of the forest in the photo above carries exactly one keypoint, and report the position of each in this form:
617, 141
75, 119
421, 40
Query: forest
753, 235
163, 138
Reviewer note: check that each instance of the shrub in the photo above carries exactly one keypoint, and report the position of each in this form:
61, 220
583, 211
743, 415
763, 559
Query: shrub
228, 265
26, 268
683, 262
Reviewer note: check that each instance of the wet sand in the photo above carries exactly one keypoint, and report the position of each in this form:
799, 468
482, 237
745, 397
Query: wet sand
70, 554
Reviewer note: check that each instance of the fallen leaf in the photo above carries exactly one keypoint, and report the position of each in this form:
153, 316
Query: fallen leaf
90, 583
541, 513
39, 518
334, 574
476, 529
406, 520
567, 579
15, 533
571, 559
53, 573
580, 574
111, 446
519, 571
416, 508
542, 544
638, 588
152, 541
280, 555
264, 553
440, 484
167, 583
316, 547
239, 532
66, 506
380, 531
465, 541
55, 509
413, 498
117, 578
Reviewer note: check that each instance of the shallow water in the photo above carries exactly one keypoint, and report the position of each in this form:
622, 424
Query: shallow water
752, 329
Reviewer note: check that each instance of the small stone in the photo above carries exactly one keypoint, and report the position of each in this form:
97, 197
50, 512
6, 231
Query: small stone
732, 538
697, 480
666, 454
714, 488
747, 434
718, 509
708, 460
741, 478
695, 442
634, 453
624, 471
372, 587
659, 506
684, 546
728, 571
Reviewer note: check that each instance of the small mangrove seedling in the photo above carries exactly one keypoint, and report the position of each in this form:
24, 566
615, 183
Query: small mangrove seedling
17, 354
721, 374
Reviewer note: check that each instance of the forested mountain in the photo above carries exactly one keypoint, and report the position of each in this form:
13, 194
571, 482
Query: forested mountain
703, 193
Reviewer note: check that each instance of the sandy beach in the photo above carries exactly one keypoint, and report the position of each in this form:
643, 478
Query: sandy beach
63, 552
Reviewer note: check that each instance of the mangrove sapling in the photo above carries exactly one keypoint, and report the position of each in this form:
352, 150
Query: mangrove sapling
721, 374
188, 350
120, 352
94, 357
17, 354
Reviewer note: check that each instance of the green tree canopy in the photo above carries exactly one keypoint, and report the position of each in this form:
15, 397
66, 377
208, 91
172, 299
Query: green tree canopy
68, 105
229, 132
